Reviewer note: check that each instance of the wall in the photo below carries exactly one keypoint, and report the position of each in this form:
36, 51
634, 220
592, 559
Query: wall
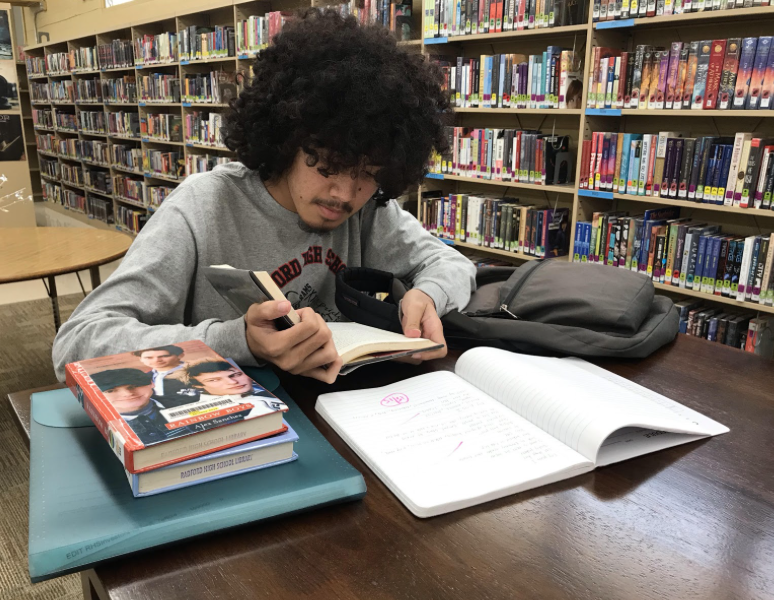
21, 214
68, 19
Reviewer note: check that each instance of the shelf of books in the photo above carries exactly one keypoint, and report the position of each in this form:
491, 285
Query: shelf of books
584, 127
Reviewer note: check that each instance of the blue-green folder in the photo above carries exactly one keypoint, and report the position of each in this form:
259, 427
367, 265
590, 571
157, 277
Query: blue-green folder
82, 510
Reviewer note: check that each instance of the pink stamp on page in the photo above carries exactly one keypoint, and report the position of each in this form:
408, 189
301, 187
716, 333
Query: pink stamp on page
395, 400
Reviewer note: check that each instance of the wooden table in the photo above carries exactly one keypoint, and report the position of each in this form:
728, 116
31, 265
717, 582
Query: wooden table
695, 521
44, 252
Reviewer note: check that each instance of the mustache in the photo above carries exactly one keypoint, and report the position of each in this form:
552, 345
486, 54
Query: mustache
334, 205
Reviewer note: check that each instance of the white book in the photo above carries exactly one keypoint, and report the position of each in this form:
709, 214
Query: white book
749, 242
644, 160
503, 423
736, 156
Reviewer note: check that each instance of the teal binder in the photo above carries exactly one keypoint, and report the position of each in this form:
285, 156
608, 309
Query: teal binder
82, 510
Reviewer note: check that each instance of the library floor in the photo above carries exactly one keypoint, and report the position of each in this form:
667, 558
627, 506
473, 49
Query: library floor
26, 335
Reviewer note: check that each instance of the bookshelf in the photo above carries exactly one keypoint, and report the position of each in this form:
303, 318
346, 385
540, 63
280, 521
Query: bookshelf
577, 123
581, 123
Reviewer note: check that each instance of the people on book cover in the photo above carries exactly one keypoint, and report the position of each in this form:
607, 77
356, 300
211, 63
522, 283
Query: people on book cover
219, 378
167, 371
323, 146
130, 391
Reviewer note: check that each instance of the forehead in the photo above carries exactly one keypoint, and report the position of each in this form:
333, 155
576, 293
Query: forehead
219, 374
128, 386
155, 354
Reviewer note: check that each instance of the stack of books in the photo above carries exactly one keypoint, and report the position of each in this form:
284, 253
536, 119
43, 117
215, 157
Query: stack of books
181, 415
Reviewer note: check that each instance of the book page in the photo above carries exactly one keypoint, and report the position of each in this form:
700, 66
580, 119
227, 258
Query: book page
349, 337
440, 444
577, 406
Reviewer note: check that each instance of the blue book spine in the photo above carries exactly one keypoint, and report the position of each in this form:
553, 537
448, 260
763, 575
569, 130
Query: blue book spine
717, 170
708, 174
758, 72
694, 279
712, 330
586, 242
748, 289
724, 170
729, 272
576, 243
710, 273
623, 175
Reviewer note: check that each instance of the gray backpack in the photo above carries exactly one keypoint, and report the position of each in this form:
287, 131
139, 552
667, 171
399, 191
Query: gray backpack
557, 308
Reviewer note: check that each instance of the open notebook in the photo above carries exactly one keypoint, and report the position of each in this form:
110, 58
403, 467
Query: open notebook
503, 423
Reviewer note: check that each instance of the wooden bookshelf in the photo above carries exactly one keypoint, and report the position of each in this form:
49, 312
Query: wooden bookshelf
685, 27
753, 306
751, 212
720, 17
520, 111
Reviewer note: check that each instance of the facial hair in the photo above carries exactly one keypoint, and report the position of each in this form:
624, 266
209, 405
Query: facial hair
307, 228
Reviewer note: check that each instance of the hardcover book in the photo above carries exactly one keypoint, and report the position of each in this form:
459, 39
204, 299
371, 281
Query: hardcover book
702, 67
744, 74
728, 77
714, 73
166, 414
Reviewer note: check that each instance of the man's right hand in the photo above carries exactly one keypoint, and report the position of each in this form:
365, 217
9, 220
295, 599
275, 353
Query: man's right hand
304, 349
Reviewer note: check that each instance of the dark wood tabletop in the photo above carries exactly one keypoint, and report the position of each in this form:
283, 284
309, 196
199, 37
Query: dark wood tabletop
695, 521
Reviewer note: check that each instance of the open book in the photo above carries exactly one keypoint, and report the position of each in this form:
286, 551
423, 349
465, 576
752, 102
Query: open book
503, 423
356, 344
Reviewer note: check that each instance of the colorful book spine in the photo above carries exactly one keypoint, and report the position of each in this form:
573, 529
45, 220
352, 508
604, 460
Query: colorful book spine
744, 74
728, 77
714, 73
702, 68
759, 72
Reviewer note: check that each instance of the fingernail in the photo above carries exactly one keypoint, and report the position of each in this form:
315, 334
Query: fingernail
284, 307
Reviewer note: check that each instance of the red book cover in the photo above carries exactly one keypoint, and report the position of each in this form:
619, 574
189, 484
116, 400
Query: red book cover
651, 162
714, 73
619, 101
167, 404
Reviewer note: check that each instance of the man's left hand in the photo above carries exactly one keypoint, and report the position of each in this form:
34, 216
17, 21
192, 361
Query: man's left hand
419, 319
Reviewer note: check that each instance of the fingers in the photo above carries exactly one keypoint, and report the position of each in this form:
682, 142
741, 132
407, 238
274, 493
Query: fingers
412, 318
328, 374
267, 311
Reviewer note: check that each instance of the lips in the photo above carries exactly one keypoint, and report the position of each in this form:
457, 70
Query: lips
330, 214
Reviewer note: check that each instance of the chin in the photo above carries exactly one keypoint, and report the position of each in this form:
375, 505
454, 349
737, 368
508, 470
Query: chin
317, 226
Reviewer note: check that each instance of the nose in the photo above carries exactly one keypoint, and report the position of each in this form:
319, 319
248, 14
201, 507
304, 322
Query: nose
345, 189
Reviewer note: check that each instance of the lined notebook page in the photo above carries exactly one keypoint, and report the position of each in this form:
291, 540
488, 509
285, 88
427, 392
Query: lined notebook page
440, 444
576, 406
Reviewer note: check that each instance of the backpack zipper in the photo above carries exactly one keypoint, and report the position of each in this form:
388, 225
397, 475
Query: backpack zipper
517, 288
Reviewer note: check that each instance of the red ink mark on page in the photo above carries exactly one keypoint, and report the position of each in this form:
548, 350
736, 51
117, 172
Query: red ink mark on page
457, 448
414, 417
395, 400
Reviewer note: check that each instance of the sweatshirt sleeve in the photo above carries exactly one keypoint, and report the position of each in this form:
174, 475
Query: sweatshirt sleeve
142, 304
394, 241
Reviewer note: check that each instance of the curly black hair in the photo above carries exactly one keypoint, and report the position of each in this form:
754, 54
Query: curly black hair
347, 96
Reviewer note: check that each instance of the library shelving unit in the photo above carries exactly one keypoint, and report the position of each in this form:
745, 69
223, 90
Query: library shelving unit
579, 124
194, 154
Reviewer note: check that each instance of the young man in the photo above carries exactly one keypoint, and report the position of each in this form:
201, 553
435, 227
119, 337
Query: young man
336, 121
130, 391
218, 378
167, 364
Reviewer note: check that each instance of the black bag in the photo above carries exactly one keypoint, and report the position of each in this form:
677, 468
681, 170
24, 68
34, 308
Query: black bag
546, 307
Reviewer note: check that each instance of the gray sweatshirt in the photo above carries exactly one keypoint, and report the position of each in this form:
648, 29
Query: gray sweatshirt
226, 216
